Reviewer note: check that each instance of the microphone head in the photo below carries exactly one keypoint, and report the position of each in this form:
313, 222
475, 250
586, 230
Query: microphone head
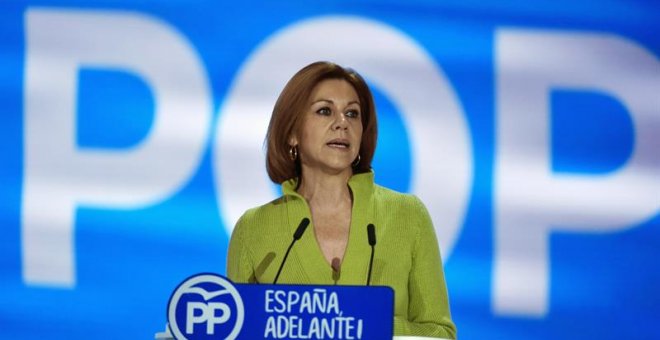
336, 269
371, 233
301, 228
336, 264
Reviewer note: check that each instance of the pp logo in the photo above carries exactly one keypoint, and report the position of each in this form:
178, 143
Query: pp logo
205, 306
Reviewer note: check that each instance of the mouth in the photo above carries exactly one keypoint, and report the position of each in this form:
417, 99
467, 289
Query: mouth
339, 143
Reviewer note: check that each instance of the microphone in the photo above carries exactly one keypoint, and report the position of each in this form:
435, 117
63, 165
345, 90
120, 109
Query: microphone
296, 236
336, 269
371, 234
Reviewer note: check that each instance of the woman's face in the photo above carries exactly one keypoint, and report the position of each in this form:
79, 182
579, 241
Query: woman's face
331, 131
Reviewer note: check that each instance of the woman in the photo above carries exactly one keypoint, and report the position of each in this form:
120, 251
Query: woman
320, 143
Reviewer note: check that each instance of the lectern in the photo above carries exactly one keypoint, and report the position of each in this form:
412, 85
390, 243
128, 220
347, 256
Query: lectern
210, 306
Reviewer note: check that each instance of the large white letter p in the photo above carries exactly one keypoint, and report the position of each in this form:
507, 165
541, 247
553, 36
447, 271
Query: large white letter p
58, 175
530, 200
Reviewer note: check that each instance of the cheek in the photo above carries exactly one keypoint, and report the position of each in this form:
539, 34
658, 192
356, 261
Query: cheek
309, 136
357, 131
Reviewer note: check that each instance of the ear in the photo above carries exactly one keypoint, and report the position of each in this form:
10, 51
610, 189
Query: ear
293, 140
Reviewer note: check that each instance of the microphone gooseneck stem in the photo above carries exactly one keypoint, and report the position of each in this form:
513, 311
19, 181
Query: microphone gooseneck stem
371, 262
296, 236
283, 261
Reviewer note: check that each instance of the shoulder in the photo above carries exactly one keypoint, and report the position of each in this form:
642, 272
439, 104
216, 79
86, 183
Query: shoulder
402, 211
409, 216
402, 202
261, 216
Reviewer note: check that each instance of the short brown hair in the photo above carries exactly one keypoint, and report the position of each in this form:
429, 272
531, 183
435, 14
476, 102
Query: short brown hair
291, 106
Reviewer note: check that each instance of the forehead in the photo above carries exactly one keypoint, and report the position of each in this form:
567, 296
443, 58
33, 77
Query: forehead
334, 90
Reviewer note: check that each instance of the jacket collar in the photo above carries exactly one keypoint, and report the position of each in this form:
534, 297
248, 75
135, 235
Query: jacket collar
356, 257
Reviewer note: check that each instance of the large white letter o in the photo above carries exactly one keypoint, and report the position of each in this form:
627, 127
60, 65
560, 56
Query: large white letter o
397, 65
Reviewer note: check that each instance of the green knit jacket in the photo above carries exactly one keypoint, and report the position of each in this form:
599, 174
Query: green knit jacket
406, 258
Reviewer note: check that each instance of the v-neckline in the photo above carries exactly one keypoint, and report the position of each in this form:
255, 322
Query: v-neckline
355, 262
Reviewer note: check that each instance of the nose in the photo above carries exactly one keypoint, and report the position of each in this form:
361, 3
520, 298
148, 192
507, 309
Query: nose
340, 123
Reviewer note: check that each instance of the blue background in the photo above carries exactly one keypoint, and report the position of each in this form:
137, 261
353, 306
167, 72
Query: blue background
603, 286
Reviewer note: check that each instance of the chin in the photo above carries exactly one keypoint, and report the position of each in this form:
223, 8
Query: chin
339, 168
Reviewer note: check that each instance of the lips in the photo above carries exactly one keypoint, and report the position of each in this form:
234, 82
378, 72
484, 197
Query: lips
340, 143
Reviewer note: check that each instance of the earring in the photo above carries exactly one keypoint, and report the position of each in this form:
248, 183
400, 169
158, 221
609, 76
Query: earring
356, 161
293, 152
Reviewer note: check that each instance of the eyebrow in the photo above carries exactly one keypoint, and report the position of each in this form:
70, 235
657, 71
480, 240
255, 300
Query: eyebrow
331, 102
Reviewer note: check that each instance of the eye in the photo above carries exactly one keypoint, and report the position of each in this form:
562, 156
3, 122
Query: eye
352, 113
324, 111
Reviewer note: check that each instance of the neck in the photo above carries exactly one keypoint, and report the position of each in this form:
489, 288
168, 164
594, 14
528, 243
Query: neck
320, 188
